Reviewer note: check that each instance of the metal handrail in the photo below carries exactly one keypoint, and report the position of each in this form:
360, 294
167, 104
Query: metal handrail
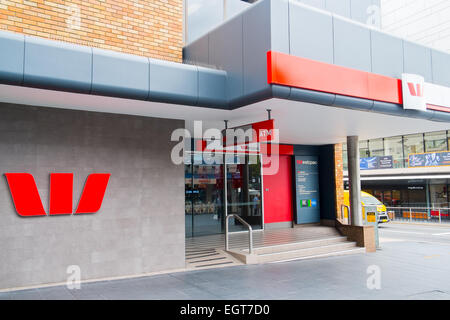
250, 232
343, 207
419, 208
410, 209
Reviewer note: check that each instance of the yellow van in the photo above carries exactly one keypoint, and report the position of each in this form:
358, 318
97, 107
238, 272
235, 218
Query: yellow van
369, 200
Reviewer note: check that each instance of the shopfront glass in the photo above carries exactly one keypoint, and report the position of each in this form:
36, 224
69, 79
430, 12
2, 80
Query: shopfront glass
436, 141
204, 187
394, 147
376, 147
412, 144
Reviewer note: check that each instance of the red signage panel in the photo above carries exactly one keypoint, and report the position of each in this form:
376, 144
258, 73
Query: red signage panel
25, 194
288, 70
93, 193
61, 193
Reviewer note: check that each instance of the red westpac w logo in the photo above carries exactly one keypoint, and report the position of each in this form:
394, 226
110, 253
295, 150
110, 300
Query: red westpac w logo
416, 91
28, 203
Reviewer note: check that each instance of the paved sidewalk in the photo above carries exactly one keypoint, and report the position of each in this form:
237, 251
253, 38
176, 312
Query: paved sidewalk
409, 270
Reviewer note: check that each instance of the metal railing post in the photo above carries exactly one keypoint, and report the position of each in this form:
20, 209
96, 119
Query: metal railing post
343, 207
436, 213
226, 233
250, 232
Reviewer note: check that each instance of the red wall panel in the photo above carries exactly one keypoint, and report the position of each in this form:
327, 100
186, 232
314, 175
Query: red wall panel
277, 190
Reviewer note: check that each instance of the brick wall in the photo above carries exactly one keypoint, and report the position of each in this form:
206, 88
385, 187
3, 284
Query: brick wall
339, 177
152, 28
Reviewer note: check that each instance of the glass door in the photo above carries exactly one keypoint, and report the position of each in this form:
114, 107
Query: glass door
204, 204
244, 192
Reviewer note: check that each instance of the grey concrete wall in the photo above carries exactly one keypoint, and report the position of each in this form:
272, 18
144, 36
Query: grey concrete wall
140, 227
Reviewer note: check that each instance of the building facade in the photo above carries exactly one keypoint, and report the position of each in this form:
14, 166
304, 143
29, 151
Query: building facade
109, 150
407, 171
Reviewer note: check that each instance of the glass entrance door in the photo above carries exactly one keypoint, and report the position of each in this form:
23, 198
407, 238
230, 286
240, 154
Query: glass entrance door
204, 205
244, 192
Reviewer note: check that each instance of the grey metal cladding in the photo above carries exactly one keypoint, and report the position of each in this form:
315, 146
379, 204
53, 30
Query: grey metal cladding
323, 98
281, 92
211, 87
441, 68
440, 116
311, 33
173, 82
417, 60
57, 65
353, 103
256, 44
225, 53
279, 24
360, 10
351, 45
315, 3
121, 75
419, 114
340, 7
387, 54
11, 57
197, 52
388, 108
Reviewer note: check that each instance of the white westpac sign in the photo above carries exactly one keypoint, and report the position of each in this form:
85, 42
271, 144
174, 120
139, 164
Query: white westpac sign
413, 88
421, 95
437, 95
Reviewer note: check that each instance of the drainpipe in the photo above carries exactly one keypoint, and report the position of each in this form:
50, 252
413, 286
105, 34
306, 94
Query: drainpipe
354, 180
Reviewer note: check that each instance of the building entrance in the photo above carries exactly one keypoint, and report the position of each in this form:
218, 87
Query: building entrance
204, 193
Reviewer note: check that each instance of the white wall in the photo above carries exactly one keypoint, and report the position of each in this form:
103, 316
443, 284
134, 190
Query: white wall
423, 21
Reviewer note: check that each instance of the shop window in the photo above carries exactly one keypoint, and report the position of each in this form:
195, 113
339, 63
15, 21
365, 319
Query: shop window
412, 144
376, 148
364, 149
394, 147
396, 198
436, 141
438, 195
448, 140
387, 198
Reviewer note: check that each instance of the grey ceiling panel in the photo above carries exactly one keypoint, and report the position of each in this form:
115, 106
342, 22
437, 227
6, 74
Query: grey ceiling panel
441, 68
197, 52
212, 87
173, 82
11, 57
417, 60
360, 10
340, 7
256, 44
225, 52
387, 54
311, 33
321, 4
351, 45
57, 65
121, 75
279, 24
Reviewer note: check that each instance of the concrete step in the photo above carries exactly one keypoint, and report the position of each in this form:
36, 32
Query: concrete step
300, 253
299, 245
295, 251
357, 250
